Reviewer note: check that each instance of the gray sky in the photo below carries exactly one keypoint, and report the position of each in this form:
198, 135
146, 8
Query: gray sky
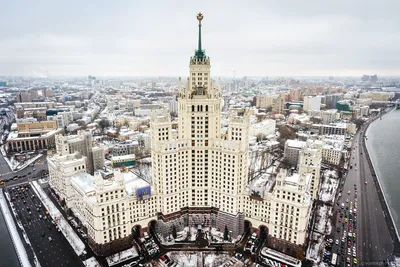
146, 38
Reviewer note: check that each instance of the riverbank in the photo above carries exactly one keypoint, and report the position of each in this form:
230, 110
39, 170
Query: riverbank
382, 198
16, 239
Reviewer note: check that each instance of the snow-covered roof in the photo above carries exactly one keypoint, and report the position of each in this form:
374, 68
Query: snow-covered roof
296, 143
84, 181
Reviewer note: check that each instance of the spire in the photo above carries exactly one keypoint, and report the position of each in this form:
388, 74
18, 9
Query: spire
200, 53
199, 18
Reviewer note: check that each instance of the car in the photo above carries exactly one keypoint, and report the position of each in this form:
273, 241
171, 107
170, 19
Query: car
355, 259
340, 219
50, 239
330, 240
354, 235
348, 192
354, 254
348, 260
337, 242
365, 182
347, 200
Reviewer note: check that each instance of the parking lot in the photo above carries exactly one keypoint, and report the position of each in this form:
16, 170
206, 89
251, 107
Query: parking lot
49, 244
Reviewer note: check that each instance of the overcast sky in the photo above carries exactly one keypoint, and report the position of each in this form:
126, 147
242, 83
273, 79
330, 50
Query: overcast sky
147, 38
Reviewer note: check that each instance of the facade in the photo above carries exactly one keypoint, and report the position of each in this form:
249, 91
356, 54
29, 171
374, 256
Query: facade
312, 103
199, 175
326, 129
310, 162
83, 143
332, 149
275, 102
127, 148
33, 136
61, 168
63, 118
292, 151
126, 160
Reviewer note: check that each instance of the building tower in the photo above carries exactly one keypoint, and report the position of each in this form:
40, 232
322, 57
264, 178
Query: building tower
202, 170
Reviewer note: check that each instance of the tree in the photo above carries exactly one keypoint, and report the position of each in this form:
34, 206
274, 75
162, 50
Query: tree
285, 163
358, 122
174, 234
300, 254
118, 130
103, 124
226, 233
126, 123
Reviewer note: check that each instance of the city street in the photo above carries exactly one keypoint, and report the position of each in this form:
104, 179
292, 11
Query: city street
54, 252
375, 243
26, 174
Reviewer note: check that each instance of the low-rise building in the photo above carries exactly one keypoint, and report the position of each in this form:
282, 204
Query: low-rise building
33, 136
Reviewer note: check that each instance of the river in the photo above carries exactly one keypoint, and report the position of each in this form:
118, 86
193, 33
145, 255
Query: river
384, 149
8, 255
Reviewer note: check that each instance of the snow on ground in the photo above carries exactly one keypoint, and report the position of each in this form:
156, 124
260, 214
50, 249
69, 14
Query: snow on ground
12, 229
314, 250
184, 259
329, 186
122, 256
65, 228
91, 262
198, 259
16, 165
323, 220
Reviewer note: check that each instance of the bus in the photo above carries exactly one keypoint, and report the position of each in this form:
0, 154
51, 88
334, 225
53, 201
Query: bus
334, 259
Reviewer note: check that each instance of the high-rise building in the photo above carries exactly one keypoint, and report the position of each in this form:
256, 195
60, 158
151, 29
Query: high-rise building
312, 103
83, 143
199, 176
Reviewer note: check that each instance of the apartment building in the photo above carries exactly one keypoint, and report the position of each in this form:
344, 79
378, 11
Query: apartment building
292, 151
310, 162
275, 102
312, 103
83, 143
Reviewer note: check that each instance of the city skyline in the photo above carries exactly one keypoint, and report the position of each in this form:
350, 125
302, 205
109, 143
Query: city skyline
264, 39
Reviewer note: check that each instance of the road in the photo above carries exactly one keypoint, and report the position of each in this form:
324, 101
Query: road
27, 173
375, 243
373, 240
57, 252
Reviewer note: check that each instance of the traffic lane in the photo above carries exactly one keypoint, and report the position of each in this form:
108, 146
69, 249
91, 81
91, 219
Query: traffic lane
38, 165
372, 216
54, 249
380, 233
50, 253
27, 173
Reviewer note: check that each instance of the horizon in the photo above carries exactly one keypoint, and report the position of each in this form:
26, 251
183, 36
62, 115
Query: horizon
264, 39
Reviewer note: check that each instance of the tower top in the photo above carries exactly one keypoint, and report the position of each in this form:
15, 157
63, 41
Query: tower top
200, 53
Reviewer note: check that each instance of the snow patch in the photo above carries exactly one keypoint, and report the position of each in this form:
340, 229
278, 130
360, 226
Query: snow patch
91, 262
122, 256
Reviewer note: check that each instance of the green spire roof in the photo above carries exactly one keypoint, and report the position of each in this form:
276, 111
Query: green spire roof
200, 53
